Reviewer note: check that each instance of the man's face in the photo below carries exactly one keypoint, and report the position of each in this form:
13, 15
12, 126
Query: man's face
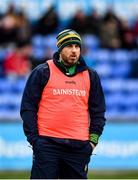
70, 54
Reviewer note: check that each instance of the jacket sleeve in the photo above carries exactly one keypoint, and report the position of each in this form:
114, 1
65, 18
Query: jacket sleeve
96, 107
30, 100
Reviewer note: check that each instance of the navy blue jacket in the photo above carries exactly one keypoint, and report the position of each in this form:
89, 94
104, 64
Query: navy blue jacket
34, 88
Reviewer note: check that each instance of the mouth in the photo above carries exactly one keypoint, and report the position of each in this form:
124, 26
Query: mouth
73, 56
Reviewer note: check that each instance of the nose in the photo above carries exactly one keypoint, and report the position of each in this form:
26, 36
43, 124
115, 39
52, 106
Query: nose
74, 48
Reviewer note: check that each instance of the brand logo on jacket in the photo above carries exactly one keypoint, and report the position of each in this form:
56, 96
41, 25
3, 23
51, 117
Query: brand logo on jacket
74, 92
70, 82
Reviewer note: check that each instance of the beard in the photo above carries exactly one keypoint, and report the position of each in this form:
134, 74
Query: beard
69, 60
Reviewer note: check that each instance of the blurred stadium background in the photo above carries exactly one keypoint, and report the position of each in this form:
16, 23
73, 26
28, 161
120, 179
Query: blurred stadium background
110, 34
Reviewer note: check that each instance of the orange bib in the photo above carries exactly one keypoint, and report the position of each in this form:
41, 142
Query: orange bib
63, 108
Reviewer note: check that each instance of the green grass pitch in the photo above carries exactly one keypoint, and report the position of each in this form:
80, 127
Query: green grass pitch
107, 174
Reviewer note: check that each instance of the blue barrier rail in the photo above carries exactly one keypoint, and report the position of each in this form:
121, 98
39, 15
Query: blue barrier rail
117, 149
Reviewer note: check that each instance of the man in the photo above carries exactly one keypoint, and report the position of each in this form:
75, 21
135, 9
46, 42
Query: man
63, 112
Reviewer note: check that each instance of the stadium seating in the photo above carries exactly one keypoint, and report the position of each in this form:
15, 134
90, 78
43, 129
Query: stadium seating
114, 68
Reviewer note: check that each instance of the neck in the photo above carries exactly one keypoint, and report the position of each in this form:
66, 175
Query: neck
69, 69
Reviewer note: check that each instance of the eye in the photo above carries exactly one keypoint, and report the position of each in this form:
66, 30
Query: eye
70, 45
77, 46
